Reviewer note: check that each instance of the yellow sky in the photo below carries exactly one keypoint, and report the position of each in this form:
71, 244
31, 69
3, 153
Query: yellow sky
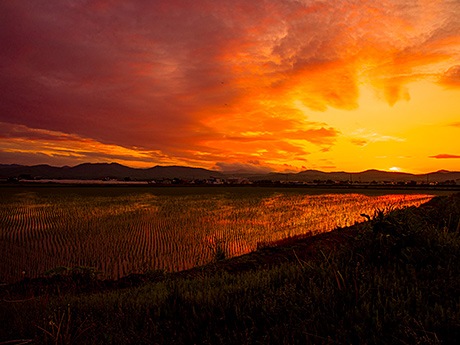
403, 135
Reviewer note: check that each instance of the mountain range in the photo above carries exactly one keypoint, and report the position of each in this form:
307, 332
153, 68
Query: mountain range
88, 171
117, 171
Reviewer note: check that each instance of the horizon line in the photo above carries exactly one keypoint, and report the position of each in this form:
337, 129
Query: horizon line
236, 171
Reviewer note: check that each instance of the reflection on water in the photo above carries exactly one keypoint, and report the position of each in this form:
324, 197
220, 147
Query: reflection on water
135, 232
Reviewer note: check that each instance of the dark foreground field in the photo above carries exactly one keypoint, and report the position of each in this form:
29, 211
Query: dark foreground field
392, 280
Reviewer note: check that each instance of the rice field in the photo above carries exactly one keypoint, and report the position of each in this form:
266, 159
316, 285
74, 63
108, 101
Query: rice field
134, 230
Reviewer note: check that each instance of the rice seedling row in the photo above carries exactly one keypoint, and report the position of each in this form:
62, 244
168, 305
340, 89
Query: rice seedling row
136, 231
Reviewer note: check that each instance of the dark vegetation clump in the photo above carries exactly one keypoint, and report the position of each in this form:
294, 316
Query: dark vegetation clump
392, 280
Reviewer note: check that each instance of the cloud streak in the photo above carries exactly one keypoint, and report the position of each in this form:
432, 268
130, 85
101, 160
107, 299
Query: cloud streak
445, 156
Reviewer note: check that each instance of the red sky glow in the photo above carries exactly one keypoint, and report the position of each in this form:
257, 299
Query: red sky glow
259, 85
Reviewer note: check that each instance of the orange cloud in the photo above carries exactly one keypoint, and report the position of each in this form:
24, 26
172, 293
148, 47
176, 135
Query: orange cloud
210, 81
445, 156
451, 78
358, 142
251, 166
70, 149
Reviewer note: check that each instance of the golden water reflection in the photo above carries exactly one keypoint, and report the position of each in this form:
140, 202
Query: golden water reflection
137, 232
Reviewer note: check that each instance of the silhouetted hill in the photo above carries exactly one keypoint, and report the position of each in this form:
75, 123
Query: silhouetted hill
88, 171
364, 176
373, 175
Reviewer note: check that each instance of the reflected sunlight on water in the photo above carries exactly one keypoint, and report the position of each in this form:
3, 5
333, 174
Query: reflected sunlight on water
126, 233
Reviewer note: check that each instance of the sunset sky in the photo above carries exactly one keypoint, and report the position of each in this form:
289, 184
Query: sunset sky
260, 85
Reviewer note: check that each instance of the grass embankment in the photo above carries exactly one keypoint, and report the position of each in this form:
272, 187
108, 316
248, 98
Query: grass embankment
395, 279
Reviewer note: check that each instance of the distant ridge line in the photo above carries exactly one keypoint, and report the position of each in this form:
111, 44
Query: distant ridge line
88, 171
